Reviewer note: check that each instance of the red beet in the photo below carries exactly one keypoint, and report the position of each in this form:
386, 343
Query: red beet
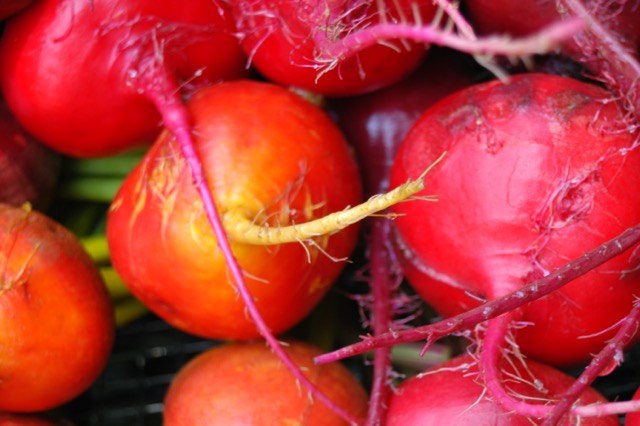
288, 42
454, 394
535, 175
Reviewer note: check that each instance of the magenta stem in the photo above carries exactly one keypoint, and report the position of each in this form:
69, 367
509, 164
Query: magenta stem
381, 289
461, 23
165, 95
490, 357
608, 408
492, 352
552, 35
469, 319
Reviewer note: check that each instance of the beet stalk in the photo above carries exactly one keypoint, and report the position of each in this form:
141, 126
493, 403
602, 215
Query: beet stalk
468, 320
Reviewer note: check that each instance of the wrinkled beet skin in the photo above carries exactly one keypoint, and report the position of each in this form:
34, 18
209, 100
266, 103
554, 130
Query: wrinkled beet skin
510, 148
246, 383
28, 169
65, 70
455, 397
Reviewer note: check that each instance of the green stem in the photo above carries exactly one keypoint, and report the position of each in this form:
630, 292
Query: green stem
128, 310
407, 356
114, 166
97, 247
90, 189
117, 288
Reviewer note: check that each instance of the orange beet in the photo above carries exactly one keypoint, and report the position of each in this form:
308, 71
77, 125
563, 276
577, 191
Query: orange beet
246, 384
56, 317
267, 153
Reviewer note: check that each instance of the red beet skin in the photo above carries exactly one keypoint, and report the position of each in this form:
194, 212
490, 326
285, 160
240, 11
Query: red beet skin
531, 180
287, 42
453, 394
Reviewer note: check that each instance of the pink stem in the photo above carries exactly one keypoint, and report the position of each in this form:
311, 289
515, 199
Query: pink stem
462, 25
494, 308
164, 93
381, 288
608, 408
539, 43
552, 413
490, 357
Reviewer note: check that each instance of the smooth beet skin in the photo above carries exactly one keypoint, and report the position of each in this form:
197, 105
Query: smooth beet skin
537, 172
74, 72
453, 394
246, 384
56, 315
266, 153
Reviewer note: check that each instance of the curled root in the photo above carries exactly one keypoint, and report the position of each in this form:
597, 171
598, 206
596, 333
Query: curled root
243, 229
495, 346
